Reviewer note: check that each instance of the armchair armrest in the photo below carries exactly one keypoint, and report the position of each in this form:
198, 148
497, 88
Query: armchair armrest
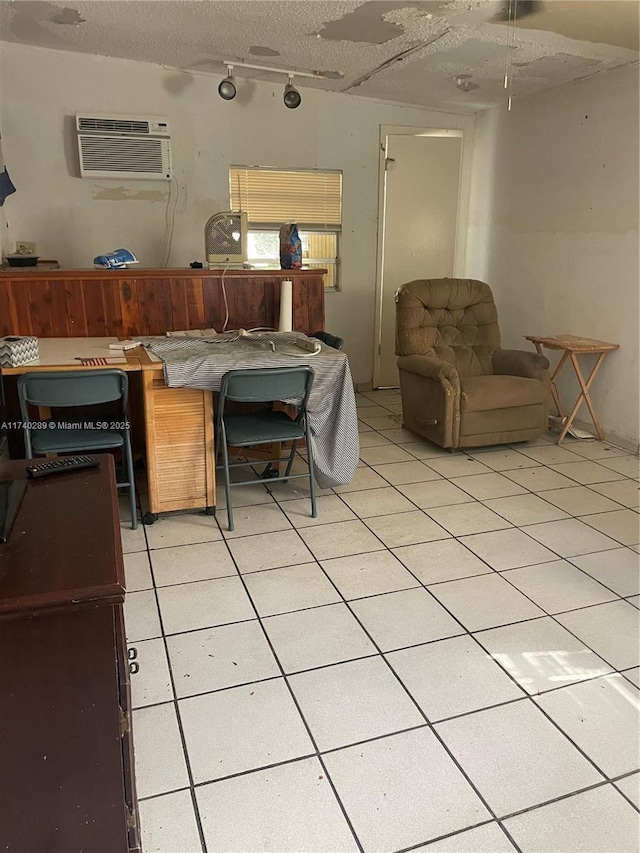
430, 368
430, 390
515, 362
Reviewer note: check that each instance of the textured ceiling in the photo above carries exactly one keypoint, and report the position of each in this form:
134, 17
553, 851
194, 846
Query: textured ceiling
444, 55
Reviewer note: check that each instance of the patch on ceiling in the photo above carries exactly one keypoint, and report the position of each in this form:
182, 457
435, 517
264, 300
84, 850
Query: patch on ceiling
70, 17
27, 18
367, 23
471, 54
332, 75
258, 50
364, 24
552, 66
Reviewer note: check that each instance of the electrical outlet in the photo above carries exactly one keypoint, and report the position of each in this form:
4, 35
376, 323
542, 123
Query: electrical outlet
23, 247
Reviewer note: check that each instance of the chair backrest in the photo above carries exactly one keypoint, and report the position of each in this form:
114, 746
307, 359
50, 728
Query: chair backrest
267, 385
61, 389
451, 319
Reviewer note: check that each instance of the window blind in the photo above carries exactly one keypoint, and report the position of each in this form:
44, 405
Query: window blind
274, 196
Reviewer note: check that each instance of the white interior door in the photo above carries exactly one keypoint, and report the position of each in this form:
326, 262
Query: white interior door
422, 185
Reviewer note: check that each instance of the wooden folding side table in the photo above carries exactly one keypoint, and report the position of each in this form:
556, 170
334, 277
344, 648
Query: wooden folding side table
572, 347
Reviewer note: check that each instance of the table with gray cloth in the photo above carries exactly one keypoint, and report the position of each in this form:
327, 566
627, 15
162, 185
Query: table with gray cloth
195, 362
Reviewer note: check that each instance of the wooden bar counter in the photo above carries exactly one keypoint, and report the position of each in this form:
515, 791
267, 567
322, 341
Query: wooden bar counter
124, 303
177, 423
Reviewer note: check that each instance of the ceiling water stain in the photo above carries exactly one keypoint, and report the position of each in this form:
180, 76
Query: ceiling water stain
70, 17
257, 50
28, 17
364, 24
367, 24
551, 66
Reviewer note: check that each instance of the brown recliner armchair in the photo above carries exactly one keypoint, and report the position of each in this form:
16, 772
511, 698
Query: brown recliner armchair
459, 388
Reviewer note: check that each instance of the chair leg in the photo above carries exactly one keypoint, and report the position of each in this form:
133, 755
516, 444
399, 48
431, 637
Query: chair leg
294, 444
227, 483
312, 481
216, 443
132, 482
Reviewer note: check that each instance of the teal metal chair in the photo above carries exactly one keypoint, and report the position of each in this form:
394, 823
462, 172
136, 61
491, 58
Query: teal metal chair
243, 430
73, 389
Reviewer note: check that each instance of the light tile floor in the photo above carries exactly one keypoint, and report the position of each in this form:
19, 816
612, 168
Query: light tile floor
446, 659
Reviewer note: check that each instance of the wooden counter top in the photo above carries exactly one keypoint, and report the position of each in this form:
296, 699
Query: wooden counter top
70, 553
148, 273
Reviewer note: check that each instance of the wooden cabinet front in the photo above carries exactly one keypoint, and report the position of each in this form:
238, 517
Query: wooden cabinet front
61, 741
179, 446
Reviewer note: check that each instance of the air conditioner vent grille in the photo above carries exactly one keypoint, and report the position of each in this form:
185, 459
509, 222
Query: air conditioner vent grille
121, 155
113, 125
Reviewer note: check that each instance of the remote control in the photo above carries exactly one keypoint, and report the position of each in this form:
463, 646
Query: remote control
58, 466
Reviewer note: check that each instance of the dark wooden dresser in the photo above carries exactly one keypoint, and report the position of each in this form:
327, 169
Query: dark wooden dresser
66, 756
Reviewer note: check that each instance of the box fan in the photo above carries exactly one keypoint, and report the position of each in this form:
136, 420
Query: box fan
225, 239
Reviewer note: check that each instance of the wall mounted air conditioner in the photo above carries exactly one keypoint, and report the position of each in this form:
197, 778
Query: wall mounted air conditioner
113, 146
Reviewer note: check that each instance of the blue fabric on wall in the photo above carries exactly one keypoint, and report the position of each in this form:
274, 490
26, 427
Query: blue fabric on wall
6, 184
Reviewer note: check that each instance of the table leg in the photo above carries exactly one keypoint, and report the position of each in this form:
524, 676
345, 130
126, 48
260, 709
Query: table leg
584, 395
559, 366
554, 390
585, 390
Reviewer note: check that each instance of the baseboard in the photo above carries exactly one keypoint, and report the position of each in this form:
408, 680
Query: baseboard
618, 440
612, 438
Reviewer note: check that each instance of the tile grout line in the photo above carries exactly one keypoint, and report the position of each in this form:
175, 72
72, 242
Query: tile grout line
603, 783
174, 702
367, 657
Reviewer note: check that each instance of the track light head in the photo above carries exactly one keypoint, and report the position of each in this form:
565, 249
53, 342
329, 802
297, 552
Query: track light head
227, 87
292, 98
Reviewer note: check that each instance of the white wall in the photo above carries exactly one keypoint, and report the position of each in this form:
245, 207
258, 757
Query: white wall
554, 227
74, 220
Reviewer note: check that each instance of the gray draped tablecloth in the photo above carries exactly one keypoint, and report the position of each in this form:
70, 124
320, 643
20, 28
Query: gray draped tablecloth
201, 363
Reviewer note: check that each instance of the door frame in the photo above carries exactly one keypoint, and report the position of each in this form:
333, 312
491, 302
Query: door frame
459, 262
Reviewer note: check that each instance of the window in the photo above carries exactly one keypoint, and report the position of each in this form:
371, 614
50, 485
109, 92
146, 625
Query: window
271, 197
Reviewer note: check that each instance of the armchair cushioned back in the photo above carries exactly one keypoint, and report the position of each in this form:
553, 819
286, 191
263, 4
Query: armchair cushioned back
449, 319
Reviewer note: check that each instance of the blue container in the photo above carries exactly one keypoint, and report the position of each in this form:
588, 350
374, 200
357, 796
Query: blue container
115, 260
290, 247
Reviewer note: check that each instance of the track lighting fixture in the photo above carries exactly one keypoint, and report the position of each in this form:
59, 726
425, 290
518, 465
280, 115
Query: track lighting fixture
227, 87
292, 98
